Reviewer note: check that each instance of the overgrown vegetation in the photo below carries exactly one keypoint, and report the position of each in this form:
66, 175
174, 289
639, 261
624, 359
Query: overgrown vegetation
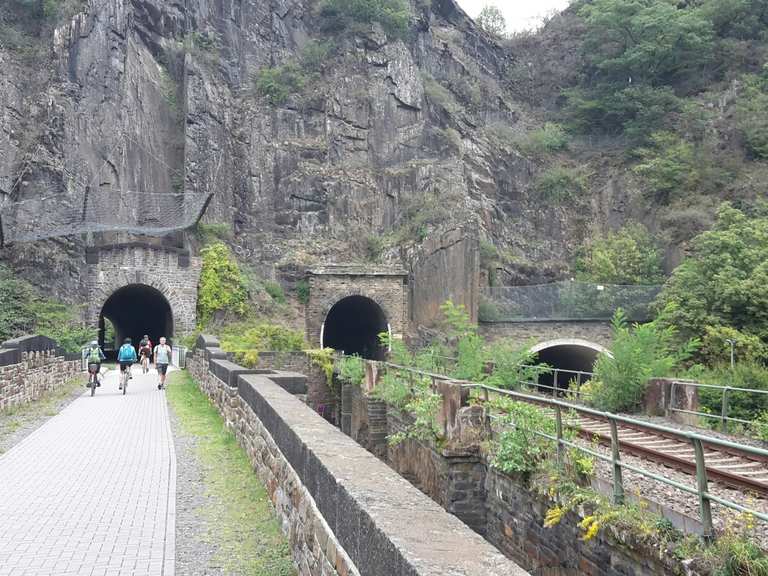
24, 311
351, 370
560, 183
721, 284
239, 515
548, 139
222, 288
637, 354
278, 83
627, 256
247, 340
337, 16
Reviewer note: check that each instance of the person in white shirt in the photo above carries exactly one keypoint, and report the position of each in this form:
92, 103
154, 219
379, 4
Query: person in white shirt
162, 359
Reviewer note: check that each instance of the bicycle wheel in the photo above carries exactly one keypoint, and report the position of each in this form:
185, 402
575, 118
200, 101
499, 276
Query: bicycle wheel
93, 384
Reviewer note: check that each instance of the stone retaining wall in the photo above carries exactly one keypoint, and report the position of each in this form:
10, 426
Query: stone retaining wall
30, 366
510, 515
345, 512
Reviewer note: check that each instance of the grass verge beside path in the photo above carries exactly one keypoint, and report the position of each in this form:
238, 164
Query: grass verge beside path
241, 520
19, 421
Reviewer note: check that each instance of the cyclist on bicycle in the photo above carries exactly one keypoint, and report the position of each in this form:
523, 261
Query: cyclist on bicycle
95, 356
162, 359
145, 351
126, 356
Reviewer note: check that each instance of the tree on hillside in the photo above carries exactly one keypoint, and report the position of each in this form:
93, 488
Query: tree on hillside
492, 21
723, 283
628, 256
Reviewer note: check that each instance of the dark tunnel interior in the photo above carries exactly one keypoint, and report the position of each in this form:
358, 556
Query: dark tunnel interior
135, 310
566, 357
353, 325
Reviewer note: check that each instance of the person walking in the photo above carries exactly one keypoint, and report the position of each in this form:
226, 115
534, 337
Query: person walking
145, 351
162, 359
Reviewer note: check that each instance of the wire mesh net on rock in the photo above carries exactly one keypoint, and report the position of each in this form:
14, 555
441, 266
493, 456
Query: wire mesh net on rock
102, 210
566, 301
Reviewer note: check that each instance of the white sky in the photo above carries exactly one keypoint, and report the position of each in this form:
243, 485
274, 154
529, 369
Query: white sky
519, 14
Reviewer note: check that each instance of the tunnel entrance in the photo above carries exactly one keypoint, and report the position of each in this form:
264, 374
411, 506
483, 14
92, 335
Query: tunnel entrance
572, 362
353, 326
133, 311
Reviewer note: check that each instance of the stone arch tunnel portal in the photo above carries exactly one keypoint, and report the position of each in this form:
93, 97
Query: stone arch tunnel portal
568, 357
353, 325
135, 310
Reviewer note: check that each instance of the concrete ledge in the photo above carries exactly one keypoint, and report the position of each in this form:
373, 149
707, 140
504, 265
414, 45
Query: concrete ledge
385, 525
11, 351
291, 382
206, 340
228, 372
215, 354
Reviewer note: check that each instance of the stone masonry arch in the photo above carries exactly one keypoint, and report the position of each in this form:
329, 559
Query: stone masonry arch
331, 285
170, 271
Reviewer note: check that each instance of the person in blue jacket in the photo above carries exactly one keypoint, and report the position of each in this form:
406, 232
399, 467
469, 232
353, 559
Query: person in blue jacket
126, 356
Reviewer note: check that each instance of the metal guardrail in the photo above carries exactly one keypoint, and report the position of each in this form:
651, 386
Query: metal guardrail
726, 392
179, 356
698, 441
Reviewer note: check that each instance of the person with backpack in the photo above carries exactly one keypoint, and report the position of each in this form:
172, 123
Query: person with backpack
95, 356
162, 359
126, 357
145, 351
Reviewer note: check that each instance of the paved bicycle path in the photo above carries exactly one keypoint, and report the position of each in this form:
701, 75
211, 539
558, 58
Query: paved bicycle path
92, 491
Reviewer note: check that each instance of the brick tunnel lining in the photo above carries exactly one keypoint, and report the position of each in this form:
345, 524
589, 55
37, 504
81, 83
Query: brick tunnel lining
353, 326
567, 357
138, 309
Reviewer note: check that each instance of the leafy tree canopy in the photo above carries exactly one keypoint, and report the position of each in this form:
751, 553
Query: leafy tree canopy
492, 21
723, 281
338, 15
628, 256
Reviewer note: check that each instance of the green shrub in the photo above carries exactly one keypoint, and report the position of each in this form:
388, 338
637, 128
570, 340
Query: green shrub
247, 340
722, 280
637, 354
351, 370
440, 95
519, 449
715, 348
492, 21
751, 117
548, 139
210, 233
275, 290
24, 311
628, 256
302, 291
560, 184
745, 374
340, 15
315, 55
669, 166
222, 286
278, 83
488, 311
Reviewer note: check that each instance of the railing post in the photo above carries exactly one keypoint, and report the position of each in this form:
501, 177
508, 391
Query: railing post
618, 482
724, 410
702, 488
559, 435
554, 392
670, 404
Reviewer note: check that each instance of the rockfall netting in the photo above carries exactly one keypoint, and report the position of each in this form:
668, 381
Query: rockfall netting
566, 301
137, 212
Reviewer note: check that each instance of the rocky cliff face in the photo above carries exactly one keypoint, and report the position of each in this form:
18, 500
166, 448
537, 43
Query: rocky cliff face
392, 141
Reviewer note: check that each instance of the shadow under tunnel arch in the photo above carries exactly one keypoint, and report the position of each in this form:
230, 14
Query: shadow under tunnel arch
353, 326
572, 361
135, 310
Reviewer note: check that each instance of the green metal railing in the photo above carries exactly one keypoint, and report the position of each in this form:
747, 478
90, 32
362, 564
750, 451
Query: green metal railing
726, 394
697, 441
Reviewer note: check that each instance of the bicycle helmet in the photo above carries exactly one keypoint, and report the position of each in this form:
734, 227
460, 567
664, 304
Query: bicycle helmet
95, 343
127, 341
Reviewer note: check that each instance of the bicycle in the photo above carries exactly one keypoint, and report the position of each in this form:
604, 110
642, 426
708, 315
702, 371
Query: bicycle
125, 375
93, 377
144, 362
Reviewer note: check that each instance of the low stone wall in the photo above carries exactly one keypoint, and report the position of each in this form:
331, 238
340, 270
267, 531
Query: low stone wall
516, 527
345, 512
30, 366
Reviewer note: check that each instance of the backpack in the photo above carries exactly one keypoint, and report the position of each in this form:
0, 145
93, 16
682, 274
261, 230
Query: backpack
126, 352
94, 357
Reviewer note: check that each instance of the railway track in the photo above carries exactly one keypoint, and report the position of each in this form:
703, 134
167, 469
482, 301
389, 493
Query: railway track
728, 466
